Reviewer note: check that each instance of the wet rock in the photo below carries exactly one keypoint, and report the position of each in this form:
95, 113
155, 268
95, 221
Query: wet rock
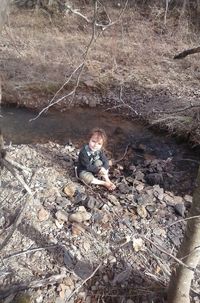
43, 215
180, 209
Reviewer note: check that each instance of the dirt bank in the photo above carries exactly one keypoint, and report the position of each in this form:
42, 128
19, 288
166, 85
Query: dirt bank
129, 67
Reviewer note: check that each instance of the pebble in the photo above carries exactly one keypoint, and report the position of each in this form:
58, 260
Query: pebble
43, 214
62, 215
180, 209
70, 190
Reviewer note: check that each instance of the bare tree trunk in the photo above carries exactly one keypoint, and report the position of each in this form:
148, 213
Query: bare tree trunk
3, 9
179, 288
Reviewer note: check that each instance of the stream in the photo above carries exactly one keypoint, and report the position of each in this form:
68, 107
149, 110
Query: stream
74, 126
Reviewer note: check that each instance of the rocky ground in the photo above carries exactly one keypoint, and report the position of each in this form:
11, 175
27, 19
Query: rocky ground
67, 242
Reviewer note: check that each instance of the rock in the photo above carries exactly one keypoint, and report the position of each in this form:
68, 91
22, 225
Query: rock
59, 224
91, 202
105, 278
82, 295
86, 245
178, 199
159, 232
80, 197
188, 198
68, 259
142, 212
122, 276
168, 199
151, 208
77, 230
124, 188
43, 215
80, 216
139, 176
83, 269
140, 187
158, 192
180, 209
62, 215
88, 299
70, 190
138, 244
113, 199
63, 202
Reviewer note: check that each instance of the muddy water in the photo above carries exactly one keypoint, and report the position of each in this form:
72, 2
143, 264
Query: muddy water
75, 124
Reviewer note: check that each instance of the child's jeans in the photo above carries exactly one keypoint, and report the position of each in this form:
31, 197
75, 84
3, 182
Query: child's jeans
86, 176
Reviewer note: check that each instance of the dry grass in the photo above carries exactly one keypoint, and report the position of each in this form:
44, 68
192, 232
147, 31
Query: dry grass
136, 51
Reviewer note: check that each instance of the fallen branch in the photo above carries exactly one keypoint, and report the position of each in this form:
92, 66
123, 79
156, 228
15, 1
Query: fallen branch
18, 219
17, 165
182, 220
187, 52
32, 284
120, 159
88, 278
27, 251
171, 256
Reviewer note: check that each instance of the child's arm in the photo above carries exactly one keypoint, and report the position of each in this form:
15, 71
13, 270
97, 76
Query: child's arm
104, 160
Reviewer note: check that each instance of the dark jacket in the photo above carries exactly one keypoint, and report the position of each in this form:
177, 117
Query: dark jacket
86, 160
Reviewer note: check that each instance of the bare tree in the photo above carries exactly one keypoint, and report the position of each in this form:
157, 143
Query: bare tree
189, 253
3, 10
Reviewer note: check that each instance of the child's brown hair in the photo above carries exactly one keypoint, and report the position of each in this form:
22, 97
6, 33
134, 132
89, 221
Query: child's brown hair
100, 133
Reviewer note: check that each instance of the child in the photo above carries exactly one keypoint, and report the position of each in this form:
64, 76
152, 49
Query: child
92, 162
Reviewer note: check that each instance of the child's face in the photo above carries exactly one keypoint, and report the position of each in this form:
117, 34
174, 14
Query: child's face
96, 142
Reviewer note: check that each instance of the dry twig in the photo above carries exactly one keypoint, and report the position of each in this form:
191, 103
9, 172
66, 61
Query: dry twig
88, 278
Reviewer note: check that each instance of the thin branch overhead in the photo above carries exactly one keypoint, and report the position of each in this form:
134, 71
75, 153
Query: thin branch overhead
79, 69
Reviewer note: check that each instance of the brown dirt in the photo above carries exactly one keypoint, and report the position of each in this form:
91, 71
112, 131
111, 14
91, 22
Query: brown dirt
39, 52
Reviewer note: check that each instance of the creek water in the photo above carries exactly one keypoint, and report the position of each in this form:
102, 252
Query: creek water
74, 125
